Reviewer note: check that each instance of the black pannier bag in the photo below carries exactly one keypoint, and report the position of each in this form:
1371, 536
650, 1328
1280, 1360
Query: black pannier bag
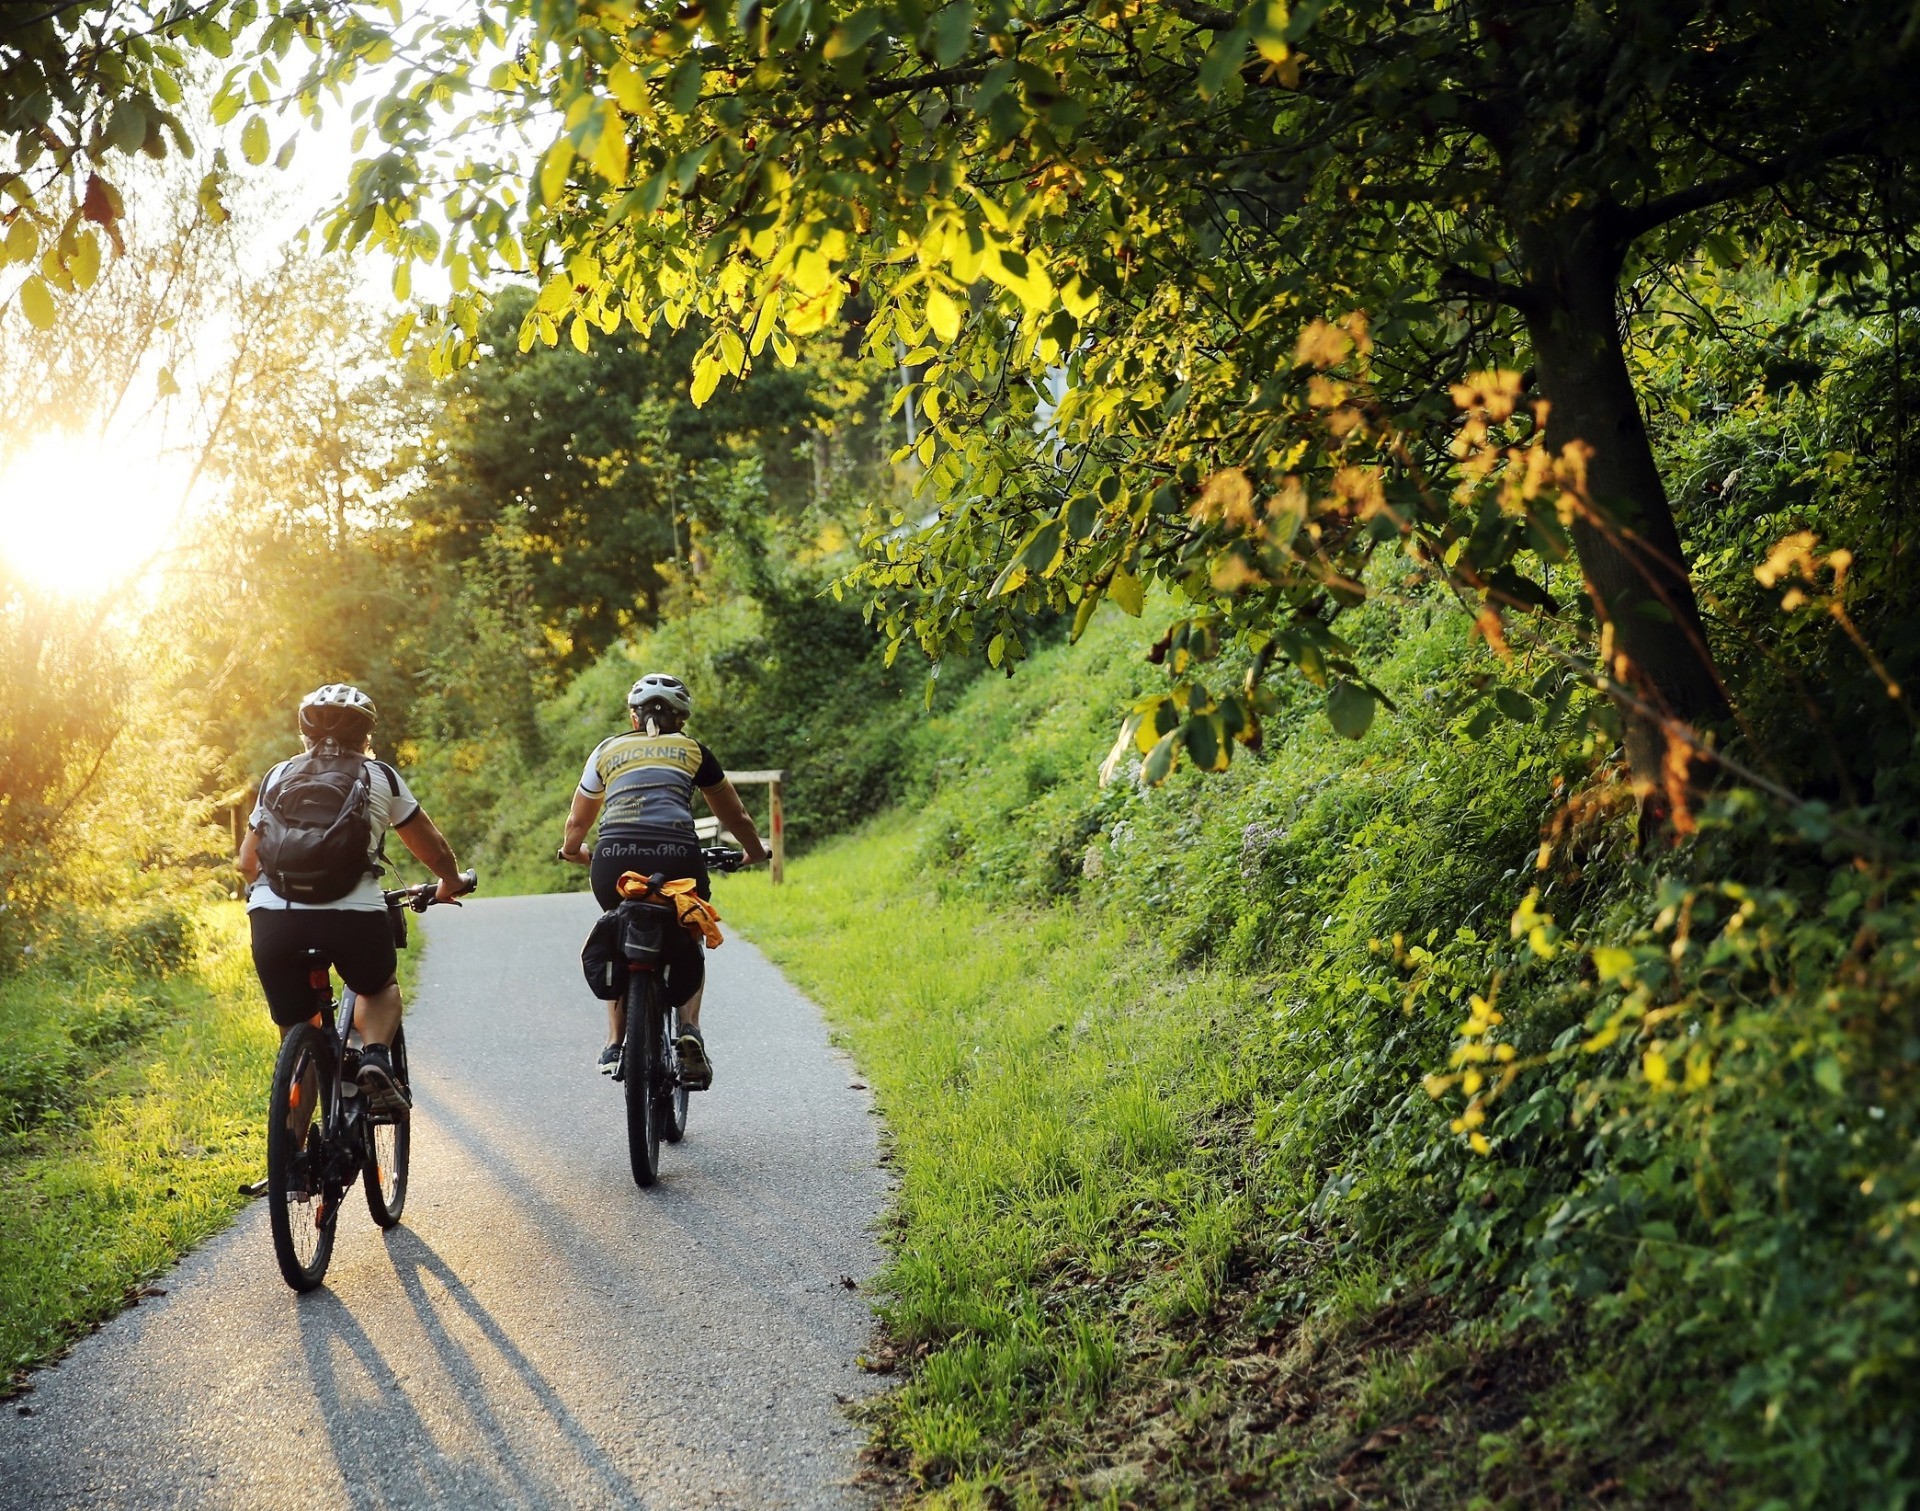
620, 936
315, 831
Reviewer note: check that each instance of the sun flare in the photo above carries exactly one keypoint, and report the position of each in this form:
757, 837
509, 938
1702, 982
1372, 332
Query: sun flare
81, 515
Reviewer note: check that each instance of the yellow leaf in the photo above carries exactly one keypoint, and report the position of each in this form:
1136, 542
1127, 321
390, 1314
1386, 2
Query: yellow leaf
1128, 591
943, 315
1612, 964
610, 151
553, 170
1653, 1065
1479, 1143
85, 262
254, 141
1079, 297
628, 87
36, 303
706, 378
578, 332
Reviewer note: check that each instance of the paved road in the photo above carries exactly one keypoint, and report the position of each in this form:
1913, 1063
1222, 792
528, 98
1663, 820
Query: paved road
539, 1332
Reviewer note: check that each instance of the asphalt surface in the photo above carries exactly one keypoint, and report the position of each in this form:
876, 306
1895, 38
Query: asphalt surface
539, 1331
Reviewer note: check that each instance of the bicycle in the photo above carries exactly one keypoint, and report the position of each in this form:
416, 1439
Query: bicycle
320, 1132
656, 1094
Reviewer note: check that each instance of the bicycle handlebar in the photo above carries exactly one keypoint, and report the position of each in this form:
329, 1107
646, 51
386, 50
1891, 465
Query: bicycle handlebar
425, 895
724, 858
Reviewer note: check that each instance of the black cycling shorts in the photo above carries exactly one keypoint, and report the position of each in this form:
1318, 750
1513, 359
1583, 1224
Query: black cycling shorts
356, 943
617, 854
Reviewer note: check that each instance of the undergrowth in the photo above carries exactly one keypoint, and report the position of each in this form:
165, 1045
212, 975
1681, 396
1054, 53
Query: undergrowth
133, 1069
1315, 1133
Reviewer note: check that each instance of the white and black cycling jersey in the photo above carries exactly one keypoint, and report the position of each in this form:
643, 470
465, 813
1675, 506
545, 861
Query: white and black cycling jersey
390, 803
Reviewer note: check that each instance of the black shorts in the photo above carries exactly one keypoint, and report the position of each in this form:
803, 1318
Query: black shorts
356, 943
616, 854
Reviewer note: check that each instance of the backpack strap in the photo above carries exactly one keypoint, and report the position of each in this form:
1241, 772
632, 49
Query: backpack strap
393, 790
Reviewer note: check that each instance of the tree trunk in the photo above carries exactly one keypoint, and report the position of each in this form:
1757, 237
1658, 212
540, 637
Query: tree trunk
1635, 569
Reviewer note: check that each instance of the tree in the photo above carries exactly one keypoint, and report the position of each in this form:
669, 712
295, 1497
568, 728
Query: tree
1101, 227
593, 466
87, 86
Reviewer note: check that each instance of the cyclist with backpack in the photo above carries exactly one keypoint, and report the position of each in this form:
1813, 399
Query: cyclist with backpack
645, 778
313, 856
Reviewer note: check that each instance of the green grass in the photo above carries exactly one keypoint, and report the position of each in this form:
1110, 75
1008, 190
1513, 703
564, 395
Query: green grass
133, 1106
1046, 1099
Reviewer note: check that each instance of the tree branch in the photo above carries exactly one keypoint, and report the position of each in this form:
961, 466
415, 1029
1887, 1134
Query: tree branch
1479, 286
1639, 219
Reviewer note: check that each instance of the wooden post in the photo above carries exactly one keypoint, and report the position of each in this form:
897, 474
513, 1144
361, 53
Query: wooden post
777, 822
776, 814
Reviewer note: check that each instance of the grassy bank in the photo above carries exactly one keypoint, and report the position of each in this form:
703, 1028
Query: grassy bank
130, 1099
1043, 1099
1205, 1197
1084, 1301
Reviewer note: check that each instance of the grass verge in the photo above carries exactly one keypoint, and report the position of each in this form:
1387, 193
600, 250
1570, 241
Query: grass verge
1089, 1299
133, 1109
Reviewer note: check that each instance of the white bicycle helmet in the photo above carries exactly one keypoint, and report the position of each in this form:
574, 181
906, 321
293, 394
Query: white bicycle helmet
658, 687
338, 708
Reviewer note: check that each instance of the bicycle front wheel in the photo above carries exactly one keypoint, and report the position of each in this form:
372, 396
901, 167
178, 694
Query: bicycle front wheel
300, 1206
389, 1141
643, 1076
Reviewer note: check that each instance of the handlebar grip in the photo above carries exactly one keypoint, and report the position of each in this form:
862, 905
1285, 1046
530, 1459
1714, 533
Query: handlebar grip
469, 882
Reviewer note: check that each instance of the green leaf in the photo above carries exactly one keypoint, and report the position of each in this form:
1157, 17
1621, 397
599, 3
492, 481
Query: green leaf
1160, 759
1350, 708
1826, 1070
1515, 704
853, 34
254, 141
1128, 591
127, 128
1040, 548
1207, 743
1083, 513
952, 32
36, 302
1089, 601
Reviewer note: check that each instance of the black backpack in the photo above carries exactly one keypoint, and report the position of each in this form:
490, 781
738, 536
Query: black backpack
316, 832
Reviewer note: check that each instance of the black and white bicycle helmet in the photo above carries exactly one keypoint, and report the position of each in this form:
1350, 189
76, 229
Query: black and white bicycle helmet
339, 710
658, 687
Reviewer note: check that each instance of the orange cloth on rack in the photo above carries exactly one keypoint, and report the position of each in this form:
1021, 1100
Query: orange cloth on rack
697, 915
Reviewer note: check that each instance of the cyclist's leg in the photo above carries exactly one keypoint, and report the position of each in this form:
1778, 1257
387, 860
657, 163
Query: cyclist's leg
363, 953
609, 860
281, 938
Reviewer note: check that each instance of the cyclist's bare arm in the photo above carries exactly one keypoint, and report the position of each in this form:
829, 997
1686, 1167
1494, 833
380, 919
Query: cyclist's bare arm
429, 846
732, 813
586, 807
248, 860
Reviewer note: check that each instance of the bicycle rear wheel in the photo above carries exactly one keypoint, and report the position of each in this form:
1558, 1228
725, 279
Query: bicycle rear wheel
389, 1141
300, 1207
671, 1107
643, 1076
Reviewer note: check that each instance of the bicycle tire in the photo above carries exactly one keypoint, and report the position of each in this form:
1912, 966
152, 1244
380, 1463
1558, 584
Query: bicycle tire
672, 1105
389, 1143
301, 1217
642, 1061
